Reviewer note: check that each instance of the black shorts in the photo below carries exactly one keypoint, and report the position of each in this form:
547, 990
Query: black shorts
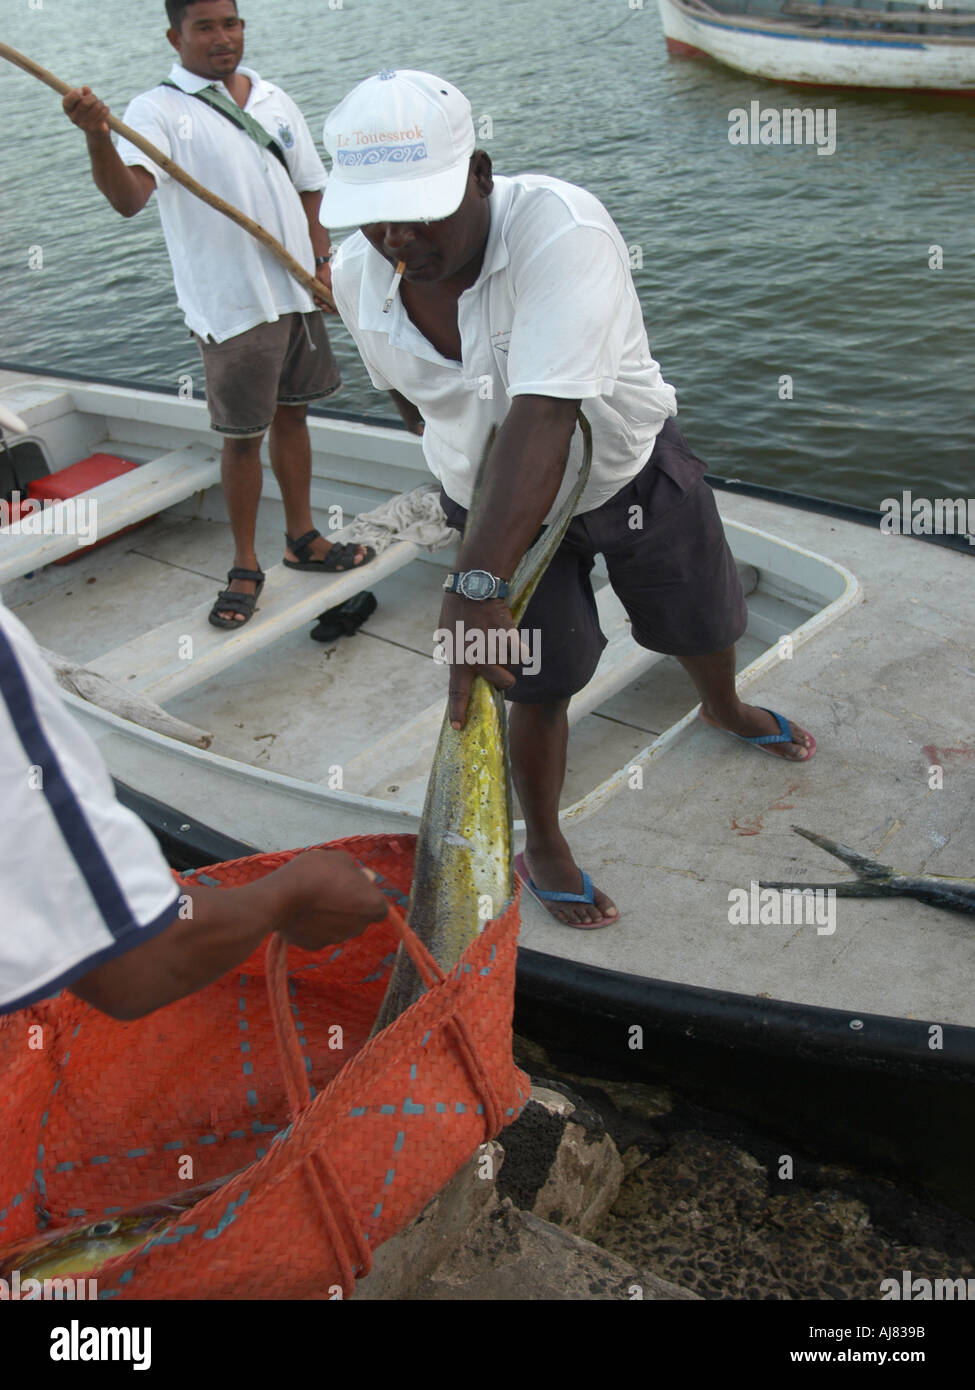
668, 562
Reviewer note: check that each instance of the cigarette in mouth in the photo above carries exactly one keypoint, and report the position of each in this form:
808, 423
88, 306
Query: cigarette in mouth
401, 266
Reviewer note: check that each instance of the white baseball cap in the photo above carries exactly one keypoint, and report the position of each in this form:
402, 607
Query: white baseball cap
400, 144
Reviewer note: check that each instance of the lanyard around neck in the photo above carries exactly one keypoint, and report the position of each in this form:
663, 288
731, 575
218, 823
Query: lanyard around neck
218, 102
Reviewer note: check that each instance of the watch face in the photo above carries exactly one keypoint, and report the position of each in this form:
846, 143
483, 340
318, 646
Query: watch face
477, 584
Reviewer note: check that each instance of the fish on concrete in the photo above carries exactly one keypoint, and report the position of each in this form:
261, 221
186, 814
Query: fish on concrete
81, 1249
882, 881
463, 873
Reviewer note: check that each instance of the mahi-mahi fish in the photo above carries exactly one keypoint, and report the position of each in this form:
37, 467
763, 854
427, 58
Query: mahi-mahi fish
875, 880
80, 1249
462, 870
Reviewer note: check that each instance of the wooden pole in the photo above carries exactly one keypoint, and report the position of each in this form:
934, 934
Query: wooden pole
309, 282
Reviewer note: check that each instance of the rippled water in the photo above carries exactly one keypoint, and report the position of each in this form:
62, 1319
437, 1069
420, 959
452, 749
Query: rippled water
758, 262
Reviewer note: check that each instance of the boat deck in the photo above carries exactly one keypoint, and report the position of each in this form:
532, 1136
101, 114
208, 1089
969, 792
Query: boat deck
666, 814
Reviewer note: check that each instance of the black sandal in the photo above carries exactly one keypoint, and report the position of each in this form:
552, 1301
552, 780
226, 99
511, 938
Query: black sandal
341, 556
345, 619
237, 603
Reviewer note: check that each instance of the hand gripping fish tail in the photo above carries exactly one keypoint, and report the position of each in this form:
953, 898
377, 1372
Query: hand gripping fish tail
463, 867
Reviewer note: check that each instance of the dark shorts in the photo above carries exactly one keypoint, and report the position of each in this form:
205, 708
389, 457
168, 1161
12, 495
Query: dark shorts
668, 562
288, 362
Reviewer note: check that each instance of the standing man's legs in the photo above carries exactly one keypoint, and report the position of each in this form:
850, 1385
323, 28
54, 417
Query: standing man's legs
263, 380
678, 582
290, 448
240, 473
714, 678
539, 739
539, 736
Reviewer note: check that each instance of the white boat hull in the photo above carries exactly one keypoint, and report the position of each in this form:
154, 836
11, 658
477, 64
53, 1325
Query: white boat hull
672, 817
787, 53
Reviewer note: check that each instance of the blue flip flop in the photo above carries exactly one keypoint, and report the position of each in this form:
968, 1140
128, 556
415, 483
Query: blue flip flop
546, 896
763, 740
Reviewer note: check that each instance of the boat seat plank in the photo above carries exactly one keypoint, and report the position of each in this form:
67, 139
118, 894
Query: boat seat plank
406, 752
186, 652
121, 502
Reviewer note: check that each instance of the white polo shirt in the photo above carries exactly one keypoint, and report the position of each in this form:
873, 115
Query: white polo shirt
83, 880
226, 282
554, 312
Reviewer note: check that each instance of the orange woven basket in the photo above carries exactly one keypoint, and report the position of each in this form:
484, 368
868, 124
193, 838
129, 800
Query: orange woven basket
341, 1141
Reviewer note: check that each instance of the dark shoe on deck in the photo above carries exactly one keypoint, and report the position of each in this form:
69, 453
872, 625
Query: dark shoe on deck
345, 619
341, 556
228, 601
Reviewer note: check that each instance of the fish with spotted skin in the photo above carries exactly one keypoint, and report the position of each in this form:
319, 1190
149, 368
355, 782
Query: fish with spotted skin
81, 1249
463, 873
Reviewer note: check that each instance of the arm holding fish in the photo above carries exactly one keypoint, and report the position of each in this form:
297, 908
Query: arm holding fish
527, 462
316, 900
565, 346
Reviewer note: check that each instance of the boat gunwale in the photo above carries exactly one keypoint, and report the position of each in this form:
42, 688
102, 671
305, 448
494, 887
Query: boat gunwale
822, 506
752, 1022
748, 1023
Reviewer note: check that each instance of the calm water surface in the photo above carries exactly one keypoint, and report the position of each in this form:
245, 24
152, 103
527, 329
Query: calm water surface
757, 262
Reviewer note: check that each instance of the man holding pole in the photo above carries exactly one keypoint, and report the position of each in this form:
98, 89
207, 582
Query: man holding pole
265, 350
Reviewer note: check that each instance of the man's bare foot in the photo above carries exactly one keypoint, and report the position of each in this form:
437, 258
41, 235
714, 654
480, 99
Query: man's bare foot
320, 547
556, 871
751, 721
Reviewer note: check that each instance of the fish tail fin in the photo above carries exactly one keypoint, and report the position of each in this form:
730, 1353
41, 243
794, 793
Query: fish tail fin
866, 868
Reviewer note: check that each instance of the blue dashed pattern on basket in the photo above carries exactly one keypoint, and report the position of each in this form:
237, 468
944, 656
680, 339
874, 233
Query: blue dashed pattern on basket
390, 891
247, 1066
40, 1182
409, 1107
173, 1236
15, 1201
398, 1143
300, 1031
383, 968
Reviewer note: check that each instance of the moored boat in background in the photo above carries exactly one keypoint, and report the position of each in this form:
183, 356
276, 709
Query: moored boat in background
856, 43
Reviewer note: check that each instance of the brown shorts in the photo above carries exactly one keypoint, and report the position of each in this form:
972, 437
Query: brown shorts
667, 560
288, 362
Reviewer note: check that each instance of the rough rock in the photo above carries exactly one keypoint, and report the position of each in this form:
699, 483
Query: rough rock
467, 1244
441, 1229
517, 1256
561, 1165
